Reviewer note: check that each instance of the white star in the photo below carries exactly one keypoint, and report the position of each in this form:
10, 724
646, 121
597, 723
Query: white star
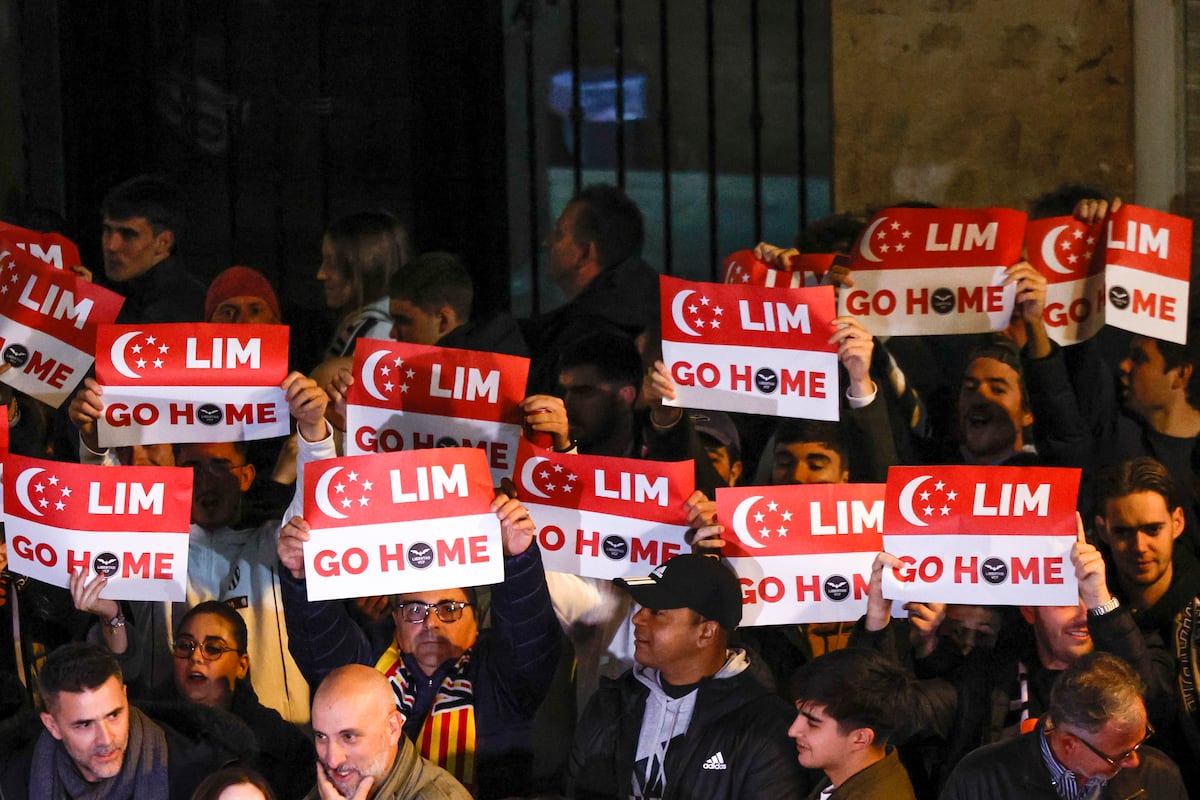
693, 308
881, 235
367, 486
786, 516
716, 323
945, 511
544, 475
1091, 240
151, 340
43, 502
141, 363
410, 374
388, 386
3, 290
939, 485
60, 505
906, 234
759, 517
1078, 234
363, 501
340, 487
162, 348
345, 502
925, 495
884, 248
352, 476
385, 370
703, 301
137, 348
558, 467
928, 511
772, 506
158, 362
745, 279
567, 487
1072, 258
950, 495
571, 477
404, 388
549, 487
699, 323
66, 491
399, 362
895, 225
900, 248
765, 533
782, 532
52, 480
718, 311
1066, 245
38, 488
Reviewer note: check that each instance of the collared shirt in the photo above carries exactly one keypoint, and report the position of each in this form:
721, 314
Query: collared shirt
1063, 779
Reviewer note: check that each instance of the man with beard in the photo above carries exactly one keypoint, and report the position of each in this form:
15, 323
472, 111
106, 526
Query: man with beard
362, 751
93, 743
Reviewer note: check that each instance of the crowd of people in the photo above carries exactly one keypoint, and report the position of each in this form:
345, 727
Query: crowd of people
550, 684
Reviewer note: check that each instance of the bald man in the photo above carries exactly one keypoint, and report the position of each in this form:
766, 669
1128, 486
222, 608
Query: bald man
362, 752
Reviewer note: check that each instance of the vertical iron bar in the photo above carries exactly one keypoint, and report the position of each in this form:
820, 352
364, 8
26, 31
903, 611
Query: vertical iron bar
232, 166
326, 106
619, 13
278, 159
711, 111
756, 121
664, 114
535, 285
801, 135
576, 99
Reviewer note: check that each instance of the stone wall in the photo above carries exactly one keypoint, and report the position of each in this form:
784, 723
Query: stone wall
978, 103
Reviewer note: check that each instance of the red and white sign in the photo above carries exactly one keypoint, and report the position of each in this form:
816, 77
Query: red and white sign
802, 553
803, 270
199, 382
130, 523
1148, 265
51, 248
48, 320
983, 535
758, 349
1070, 254
411, 396
604, 517
393, 522
934, 270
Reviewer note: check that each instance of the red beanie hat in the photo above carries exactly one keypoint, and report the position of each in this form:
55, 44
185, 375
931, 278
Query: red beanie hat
239, 282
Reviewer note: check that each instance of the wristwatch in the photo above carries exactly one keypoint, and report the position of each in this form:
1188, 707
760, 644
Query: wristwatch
1107, 608
116, 622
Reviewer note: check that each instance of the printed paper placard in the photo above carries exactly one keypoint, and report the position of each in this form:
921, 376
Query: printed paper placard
409, 396
48, 320
1070, 254
130, 523
50, 248
192, 383
604, 517
922, 271
983, 535
803, 270
391, 522
757, 349
802, 553
1146, 276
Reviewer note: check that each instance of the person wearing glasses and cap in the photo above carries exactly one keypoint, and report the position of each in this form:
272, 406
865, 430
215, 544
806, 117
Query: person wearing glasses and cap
468, 696
1091, 743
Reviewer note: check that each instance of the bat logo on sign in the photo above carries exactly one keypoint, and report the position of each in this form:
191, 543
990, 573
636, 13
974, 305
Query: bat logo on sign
615, 547
1119, 297
994, 571
837, 587
420, 555
942, 301
106, 564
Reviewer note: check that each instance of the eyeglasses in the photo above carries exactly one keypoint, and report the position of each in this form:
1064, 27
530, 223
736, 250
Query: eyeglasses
211, 650
214, 469
417, 611
1115, 761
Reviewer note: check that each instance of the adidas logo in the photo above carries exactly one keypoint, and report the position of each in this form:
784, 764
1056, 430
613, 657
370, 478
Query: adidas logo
715, 761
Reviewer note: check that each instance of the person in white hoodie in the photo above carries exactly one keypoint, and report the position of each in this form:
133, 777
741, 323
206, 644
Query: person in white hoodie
689, 720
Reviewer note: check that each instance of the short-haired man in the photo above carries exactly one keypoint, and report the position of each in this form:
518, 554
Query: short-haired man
1088, 745
93, 743
849, 703
362, 751
689, 720
594, 255
143, 222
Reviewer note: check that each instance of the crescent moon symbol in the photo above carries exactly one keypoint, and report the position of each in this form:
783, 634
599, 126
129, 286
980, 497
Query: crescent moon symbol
739, 522
527, 476
116, 354
322, 495
368, 374
1050, 252
906, 501
864, 246
21, 487
677, 312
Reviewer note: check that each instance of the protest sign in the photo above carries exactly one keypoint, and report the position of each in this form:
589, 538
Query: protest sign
50, 248
129, 523
407, 521
1069, 254
983, 535
803, 553
191, 383
802, 270
934, 270
48, 320
1148, 262
410, 396
758, 349
604, 517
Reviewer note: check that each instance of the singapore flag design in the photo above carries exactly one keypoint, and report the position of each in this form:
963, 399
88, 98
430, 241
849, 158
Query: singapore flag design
920, 271
757, 349
803, 270
802, 553
604, 517
191, 383
48, 320
408, 396
129, 523
419, 519
1070, 254
992, 535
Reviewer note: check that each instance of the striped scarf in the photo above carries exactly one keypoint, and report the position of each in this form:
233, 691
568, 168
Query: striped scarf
447, 736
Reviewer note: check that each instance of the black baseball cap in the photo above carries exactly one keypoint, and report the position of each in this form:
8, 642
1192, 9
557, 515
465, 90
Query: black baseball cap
701, 583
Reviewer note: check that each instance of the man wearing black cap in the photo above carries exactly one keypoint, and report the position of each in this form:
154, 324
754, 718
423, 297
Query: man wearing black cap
689, 720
